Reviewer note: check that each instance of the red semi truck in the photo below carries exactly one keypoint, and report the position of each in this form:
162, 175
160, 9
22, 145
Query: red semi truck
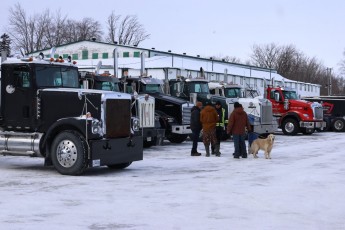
294, 115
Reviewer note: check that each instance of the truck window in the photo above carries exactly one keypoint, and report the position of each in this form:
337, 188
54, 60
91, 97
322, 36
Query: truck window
151, 88
232, 93
290, 95
22, 76
56, 77
199, 88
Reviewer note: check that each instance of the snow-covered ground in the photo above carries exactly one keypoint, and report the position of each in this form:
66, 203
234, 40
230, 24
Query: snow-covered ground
301, 187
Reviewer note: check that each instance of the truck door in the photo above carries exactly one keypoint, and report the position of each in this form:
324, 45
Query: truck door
18, 101
277, 102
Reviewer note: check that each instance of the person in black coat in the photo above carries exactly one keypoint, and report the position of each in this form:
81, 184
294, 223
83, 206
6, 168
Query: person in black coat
196, 127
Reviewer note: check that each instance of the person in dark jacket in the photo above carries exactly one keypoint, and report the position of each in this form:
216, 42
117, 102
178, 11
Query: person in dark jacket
209, 119
195, 126
238, 122
219, 127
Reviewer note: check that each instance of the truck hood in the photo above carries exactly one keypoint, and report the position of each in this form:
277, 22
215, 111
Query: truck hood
105, 94
171, 99
299, 103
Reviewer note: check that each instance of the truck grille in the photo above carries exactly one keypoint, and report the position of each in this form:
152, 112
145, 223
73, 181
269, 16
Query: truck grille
318, 113
266, 113
146, 112
186, 113
117, 118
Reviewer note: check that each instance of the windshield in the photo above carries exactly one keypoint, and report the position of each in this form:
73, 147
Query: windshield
57, 76
199, 87
151, 88
290, 95
232, 92
104, 85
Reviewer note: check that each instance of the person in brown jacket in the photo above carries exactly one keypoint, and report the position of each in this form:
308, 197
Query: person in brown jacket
209, 119
238, 122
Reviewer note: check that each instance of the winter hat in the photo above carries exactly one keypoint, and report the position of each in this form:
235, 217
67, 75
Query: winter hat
237, 105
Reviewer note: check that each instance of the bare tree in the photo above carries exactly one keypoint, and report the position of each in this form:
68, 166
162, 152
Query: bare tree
112, 24
55, 34
21, 28
127, 31
231, 59
266, 55
88, 29
294, 65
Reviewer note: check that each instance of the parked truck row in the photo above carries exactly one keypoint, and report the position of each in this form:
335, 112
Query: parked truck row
75, 119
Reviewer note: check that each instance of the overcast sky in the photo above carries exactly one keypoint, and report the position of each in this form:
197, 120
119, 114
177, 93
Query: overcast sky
218, 27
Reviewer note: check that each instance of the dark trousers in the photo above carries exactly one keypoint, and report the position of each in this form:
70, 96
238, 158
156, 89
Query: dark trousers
195, 139
240, 145
219, 133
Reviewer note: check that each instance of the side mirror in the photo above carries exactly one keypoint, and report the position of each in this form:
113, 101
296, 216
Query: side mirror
276, 96
134, 88
178, 87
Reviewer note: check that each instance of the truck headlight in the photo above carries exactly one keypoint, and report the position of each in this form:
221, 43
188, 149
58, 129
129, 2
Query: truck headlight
135, 124
96, 127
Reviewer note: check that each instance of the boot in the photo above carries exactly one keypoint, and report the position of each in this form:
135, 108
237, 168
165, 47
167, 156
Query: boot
213, 150
207, 148
216, 150
195, 154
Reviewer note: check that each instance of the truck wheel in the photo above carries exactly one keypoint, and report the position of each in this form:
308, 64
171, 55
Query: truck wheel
69, 153
177, 138
120, 166
290, 127
338, 125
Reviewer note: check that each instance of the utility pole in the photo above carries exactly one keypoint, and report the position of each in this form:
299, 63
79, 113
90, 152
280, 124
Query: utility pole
329, 74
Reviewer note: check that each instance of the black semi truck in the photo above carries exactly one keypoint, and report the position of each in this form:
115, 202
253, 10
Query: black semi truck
143, 105
334, 111
45, 113
174, 113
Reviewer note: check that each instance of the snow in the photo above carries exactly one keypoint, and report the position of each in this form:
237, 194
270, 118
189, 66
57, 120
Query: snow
301, 187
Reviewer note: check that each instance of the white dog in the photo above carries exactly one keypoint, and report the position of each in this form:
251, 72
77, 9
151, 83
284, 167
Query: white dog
263, 144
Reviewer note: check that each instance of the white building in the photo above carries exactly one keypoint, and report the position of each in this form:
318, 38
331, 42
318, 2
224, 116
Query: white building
168, 65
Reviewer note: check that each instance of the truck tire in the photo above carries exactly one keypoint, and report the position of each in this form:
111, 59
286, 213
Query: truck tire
69, 153
290, 127
120, 166
177, 138
338, 125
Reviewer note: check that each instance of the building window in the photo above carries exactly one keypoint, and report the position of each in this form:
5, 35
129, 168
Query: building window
241, 80
95, 56
64, 56
84, 54
105, 55
136, 54
56, 56
300, 86
75, 56
125, 54
255, 82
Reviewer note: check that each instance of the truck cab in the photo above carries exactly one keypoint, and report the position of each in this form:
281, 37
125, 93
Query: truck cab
295, 115
197, 89
174, 113
143, 105
259, 109
45, 113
